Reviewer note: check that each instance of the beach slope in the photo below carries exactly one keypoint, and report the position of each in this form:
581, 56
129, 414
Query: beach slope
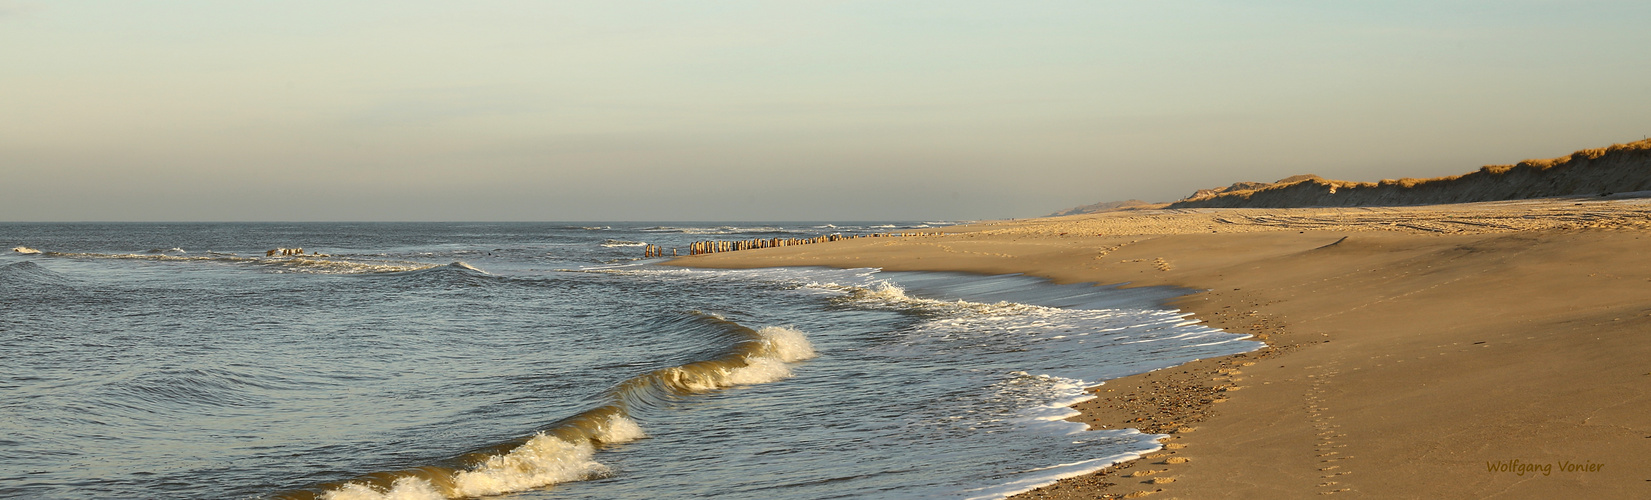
1476, 350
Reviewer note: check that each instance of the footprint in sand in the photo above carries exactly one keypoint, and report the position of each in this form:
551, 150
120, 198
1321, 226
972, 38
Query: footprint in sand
1327, 448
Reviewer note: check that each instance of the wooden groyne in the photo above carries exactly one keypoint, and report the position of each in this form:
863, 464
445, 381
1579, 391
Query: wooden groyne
651, 251
719, 246
292, 252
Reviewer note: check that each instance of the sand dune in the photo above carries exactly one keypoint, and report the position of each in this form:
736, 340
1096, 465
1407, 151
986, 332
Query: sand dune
1615, 169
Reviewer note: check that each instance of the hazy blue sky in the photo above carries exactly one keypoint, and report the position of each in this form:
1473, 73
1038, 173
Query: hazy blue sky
816, 110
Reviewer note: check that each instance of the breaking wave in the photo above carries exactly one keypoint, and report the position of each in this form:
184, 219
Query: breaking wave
465, 266
723, 230
566, 451
283, 264
890, 297
339, 266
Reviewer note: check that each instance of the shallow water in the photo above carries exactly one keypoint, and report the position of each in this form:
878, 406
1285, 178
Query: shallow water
435, 360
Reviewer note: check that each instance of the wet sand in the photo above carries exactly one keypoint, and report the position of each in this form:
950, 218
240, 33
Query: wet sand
1435, 351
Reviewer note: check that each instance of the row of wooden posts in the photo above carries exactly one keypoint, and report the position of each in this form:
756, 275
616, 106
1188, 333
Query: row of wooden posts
713, 246
655, 251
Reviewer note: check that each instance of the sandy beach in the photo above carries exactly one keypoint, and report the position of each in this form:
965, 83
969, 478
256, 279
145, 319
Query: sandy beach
1485, 350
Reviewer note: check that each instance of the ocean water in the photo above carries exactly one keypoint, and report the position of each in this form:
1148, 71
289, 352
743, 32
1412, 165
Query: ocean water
542, 361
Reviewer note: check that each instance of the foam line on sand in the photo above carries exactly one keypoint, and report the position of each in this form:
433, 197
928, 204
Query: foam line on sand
1413, 350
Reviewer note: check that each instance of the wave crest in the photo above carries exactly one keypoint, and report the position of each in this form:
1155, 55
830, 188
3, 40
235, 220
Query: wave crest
886, 296
304, 264
25, 274
566, 452
612, 243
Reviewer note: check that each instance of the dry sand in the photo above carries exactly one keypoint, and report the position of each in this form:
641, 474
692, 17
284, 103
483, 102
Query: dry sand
1412, 350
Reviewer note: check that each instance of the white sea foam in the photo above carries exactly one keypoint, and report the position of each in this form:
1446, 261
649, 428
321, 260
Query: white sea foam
781, 346
1040, 403
146, 256
767, 363
25, 250
304, 264
1036, 478
335, 266
542, 461
406, 488
755, 371
789, 345
1051, 417
884, 295
547, 459
1128, 338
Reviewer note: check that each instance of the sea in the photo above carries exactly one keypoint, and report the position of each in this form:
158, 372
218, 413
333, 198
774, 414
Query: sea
544, 361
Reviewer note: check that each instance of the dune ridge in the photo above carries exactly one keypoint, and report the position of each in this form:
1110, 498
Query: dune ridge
1599, 171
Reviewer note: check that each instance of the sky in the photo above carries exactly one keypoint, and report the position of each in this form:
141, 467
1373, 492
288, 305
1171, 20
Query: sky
707, 110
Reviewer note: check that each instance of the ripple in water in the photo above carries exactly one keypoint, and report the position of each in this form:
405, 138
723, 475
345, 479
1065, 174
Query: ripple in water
461, 360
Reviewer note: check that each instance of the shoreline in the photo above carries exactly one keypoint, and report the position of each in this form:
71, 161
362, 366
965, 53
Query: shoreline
1409, 347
